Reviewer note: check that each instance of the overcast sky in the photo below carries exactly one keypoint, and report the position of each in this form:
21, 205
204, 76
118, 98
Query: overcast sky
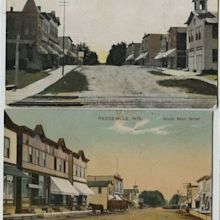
101, 23
155, 152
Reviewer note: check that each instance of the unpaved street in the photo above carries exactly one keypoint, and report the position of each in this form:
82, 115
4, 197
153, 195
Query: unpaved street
145, 214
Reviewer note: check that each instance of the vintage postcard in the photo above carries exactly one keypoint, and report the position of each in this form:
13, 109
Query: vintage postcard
112, 54
121, 165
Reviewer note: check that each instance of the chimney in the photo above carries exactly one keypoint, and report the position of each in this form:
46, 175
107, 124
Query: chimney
11, 9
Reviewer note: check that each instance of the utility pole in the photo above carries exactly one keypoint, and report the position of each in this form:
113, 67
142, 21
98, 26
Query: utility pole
17, 60
64, 4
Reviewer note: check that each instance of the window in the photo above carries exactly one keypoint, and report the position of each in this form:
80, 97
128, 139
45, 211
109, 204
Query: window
44, 158
37, 157
215, 55
215, 31
55, 163
6, 147
25, 188
30, 154
64, 166
100, 190
190, 35
8, 187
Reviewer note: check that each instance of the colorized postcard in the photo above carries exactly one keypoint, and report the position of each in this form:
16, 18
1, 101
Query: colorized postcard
121, 165
112, 54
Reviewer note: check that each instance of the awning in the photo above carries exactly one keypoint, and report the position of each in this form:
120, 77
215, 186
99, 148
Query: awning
83, 189
13, 171
50, 50
142, 56
73, 55
110, 197
61, 186
170, 53
57, 47
197, 198
131, 57
41, 49
117, 197
159, 56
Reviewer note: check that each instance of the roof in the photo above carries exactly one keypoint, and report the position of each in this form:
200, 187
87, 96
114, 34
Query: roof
98, 183
203, 178
210, 17
82, 155
8, 123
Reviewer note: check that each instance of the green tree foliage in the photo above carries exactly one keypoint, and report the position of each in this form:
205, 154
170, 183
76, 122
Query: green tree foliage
117, 54
174, 200
153, 198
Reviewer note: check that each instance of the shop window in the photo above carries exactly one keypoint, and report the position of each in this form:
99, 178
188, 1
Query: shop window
25, 188
8, 187
215, 55
6, 147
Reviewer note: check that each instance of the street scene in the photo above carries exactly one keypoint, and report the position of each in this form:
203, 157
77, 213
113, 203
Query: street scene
52, 60
107, 164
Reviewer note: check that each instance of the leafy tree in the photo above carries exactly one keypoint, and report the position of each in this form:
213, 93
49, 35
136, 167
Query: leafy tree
174, 200
117, 54
153, 198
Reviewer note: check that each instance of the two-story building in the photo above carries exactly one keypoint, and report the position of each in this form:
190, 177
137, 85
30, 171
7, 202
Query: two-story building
150, 47
202, 38
204, 197
46, 163
192, 191
176, 53
79, 180
117, 190
36, 33
11, 172
102, 192
132, 52
70, 55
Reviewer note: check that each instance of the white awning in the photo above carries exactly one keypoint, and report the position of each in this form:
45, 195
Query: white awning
73, 55
117, 197
159, 56
41, 49
57, 47
130, 57
83, 189
110, 197
170, 53
34, 186
142, 56
62, 187
50, 50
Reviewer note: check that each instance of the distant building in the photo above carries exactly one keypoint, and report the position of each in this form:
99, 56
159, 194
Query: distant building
102, 190
150, 47
161, 56
132, 195
176, 54
202, 38
204, 197
37, 34
132, 52
70, 55
192, 191
117, 181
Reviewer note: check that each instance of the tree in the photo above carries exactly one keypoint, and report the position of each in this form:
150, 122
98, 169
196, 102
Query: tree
117, 54
90, 57
153, 198
174, 200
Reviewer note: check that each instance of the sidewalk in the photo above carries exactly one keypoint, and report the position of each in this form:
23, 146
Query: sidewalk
52, 215
36, 87
200, 215
180, 74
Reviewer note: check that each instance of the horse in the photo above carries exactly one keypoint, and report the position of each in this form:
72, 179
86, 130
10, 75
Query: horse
95, 207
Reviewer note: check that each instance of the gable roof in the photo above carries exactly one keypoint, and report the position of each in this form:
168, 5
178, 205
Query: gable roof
30, 7
82, 155
210, 17
99, 183
203, 178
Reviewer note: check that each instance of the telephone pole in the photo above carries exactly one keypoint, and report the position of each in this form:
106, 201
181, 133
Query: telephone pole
64, 4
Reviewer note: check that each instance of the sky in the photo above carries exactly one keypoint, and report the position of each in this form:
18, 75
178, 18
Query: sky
157, 150
102, 23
